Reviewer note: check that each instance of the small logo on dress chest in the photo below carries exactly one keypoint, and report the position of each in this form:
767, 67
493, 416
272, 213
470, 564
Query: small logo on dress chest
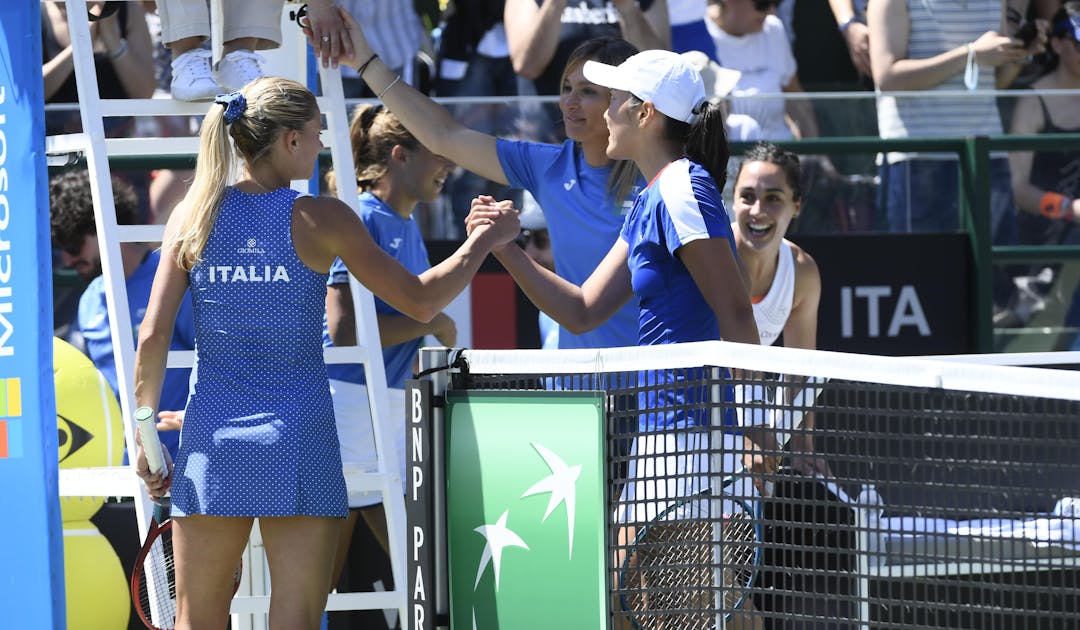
251, 246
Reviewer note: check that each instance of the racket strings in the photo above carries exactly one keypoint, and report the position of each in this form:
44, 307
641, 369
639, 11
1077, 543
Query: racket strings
740, 551
157, 584
669, 580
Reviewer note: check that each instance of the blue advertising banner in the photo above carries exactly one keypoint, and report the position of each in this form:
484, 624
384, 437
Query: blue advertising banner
31, 545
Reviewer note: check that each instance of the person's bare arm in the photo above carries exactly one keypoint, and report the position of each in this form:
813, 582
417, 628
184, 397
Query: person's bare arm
156, 330
720, 279
56, 71
856, 35
893, 71
135, 66
393, 329
152, 351
578, 309
717, 274
430, 122
532, 34
326, 228
646, 29
1027, 119
131, 56
800, 111
800, 331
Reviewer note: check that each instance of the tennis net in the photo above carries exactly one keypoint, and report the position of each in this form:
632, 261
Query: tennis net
749, 487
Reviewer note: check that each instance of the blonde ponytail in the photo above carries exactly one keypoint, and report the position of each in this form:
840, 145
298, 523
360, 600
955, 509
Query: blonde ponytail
214, 170
270, 106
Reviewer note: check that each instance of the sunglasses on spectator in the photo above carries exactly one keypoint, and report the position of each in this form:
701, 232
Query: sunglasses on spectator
764, 6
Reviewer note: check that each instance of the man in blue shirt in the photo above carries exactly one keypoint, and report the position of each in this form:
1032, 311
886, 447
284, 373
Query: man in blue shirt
74, 234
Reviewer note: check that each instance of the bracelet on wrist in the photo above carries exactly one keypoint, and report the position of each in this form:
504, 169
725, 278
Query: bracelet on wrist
1054, 205
971, 69
360, 69
387, 88
120, 51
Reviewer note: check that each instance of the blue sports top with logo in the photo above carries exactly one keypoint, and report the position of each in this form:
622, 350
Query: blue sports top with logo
259, 437
400, 238
582, 219
681, 205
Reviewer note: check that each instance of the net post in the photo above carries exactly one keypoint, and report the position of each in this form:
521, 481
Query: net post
716, 481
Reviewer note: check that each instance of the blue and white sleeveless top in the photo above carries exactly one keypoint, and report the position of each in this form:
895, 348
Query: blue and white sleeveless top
937, 26
259, 437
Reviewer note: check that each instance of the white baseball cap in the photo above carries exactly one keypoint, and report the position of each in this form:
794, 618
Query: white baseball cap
663, 77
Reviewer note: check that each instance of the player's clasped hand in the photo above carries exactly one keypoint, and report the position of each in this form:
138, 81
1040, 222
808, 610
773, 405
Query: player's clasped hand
157, 484
501, 215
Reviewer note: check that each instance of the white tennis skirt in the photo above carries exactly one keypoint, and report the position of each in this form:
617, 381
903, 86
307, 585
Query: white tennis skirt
673, 476
357, 435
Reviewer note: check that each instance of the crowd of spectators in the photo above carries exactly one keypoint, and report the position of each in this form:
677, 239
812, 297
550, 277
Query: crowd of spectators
498, 49
755, 54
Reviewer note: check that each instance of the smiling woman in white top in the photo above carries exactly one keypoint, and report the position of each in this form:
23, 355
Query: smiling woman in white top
785, 286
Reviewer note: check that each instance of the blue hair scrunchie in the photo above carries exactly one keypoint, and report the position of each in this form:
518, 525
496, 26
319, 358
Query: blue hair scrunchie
234, 103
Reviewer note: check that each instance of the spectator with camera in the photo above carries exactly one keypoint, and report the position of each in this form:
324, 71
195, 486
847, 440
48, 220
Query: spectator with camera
1046, 183
945, 46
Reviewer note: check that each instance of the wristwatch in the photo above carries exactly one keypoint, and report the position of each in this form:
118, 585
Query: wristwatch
848, 22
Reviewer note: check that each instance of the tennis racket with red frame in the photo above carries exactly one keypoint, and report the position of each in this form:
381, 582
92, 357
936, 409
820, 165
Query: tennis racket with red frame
153, 581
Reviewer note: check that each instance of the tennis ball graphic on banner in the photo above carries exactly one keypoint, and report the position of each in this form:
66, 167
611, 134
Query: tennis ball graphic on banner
97, 593
88, 420
91, 434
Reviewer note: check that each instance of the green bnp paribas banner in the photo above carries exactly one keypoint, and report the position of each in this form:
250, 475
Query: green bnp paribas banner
525, 510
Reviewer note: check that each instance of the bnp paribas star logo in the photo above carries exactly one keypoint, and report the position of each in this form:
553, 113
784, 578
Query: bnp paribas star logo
517, 523
560, 484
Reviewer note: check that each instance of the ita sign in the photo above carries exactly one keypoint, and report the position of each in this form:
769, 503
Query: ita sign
525, 510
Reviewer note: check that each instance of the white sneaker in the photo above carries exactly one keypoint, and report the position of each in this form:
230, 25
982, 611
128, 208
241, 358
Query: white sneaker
192, 79
239, 68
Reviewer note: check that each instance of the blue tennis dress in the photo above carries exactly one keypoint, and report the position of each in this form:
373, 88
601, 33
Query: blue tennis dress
259, 437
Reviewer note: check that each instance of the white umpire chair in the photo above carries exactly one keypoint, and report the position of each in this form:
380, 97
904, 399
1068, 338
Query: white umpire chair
251, 605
